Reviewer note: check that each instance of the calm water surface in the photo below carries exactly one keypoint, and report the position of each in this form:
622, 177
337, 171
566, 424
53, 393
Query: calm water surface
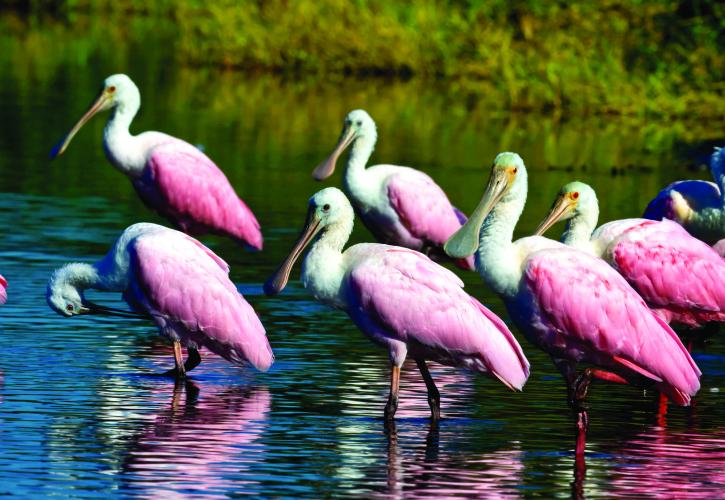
82, 412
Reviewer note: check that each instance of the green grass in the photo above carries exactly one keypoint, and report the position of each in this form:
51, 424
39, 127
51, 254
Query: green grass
641, 57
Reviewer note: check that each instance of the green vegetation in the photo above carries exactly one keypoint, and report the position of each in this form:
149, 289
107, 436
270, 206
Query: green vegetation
661, 57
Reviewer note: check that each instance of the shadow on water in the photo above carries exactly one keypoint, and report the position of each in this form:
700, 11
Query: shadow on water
79, 415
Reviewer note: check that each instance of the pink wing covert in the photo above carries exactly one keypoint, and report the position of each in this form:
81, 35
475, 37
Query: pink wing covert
415, 300
197, 195
582, 298
175, 278
673, 271
424, 209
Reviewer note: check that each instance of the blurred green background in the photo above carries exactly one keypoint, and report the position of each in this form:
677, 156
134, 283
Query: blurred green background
640, 57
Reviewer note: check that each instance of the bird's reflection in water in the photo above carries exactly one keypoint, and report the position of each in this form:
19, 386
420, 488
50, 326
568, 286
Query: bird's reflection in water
657, 463
427, 469
200, 444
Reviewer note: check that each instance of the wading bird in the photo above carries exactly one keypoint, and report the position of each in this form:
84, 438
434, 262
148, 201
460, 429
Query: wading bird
698, 206
401, 300
679, 276
180, 284
399, 205
171, 176
3, 289
568, 303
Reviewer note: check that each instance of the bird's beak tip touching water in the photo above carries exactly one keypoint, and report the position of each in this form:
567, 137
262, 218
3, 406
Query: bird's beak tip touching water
327, 167
276, 283
99, 104
562, 206
464, 242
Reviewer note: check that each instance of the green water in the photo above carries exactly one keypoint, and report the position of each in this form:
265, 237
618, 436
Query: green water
82, 415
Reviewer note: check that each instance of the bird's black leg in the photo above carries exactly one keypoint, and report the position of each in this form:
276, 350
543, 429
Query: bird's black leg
193, 358
434, 397
392, 406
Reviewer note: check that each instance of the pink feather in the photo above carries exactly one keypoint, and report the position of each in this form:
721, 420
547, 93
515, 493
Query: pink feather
581, 309
187, 291
184, 185
403, 295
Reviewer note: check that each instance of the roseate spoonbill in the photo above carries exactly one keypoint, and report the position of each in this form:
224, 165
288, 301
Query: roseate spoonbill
401, 300
3, 289
699, 206
399, 205
170, 175
568, 303
679, 276
180, 284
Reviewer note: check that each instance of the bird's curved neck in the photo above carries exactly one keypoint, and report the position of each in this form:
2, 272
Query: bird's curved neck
80, 276
322, 269
121, 147
362, 149
579, 228
498, 261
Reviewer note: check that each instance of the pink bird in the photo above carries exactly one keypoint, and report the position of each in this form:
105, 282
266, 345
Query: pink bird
568, 303
3, 290
399, 205
180, 284
679, 276
699, 206
401, 300
171, 176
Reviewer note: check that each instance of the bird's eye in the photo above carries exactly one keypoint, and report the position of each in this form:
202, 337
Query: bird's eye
575, 195
69, 308
359, 123
112, 88
515, 170
326, 207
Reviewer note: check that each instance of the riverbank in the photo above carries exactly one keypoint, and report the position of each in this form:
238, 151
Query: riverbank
645, 58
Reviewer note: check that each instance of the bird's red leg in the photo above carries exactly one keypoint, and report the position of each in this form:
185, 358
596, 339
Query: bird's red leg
434, 397
392, 406
577, 388
580, 465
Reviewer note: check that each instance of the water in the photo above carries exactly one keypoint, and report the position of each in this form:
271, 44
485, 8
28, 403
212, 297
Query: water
82, 412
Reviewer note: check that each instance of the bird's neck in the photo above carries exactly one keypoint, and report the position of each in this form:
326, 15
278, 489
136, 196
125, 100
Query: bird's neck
362, 149
579, 229
80, 276
498, 260
322, 269
123, 149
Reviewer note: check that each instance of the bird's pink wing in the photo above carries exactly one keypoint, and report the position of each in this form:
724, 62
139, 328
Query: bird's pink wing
672, 270
190, 294
197, 195
3, 290
414, 300
589, 305
423, 207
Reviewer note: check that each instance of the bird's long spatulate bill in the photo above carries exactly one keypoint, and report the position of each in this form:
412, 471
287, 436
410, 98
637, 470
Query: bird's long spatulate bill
464, 242
93, 308
327, 167
279, 279
97, 106
560, 208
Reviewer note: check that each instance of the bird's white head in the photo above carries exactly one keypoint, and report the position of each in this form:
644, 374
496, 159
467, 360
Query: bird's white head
62, 295
357, 125
118, 91
328, 209
507, 180
575, 199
